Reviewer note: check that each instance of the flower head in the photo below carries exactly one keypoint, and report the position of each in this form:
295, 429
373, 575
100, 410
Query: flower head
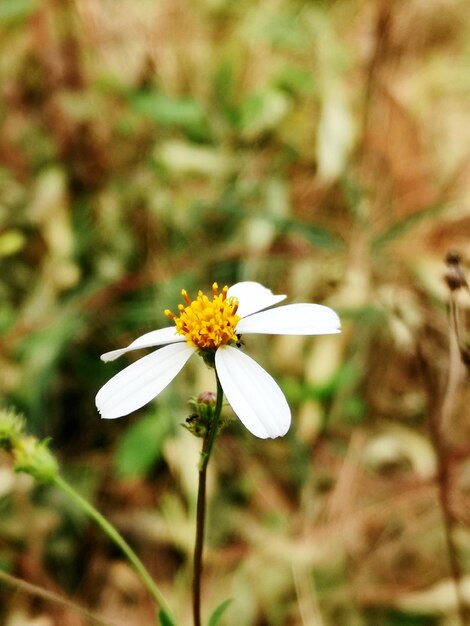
213, 328
34, 457
207, 324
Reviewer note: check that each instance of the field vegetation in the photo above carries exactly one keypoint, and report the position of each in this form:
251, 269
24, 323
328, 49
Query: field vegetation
319, 147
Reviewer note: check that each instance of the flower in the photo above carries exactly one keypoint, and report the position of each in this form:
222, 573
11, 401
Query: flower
213, 328
34, 457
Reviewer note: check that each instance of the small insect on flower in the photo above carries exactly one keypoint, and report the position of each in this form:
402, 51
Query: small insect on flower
213, 328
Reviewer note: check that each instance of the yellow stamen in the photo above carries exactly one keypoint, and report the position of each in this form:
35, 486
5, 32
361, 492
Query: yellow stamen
207, 324
184, 293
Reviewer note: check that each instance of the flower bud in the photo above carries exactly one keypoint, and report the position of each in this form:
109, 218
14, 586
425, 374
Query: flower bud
11, 428
203, 405
208, 398
34, 457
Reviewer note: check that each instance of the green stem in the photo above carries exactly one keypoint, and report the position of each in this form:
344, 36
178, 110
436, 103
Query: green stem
114, 535
201, 503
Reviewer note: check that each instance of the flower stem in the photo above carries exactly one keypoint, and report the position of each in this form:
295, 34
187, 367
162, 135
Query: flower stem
114, 535
207, 445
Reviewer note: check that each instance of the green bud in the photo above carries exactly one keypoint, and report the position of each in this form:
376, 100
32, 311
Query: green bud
11, 428
203, 406
196, 426
34, 457
205, 403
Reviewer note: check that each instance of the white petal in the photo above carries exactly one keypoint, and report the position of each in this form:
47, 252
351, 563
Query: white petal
142, 381
253, 297
292, 319
154, 338
252, 393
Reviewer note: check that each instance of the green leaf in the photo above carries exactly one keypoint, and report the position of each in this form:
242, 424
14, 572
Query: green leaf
164, 619
141, 445
316, 235
295, 80
16, 10
217, 614
282, 29
224, 86
400, 228
11, 242
185, 113
380, 617
262, 111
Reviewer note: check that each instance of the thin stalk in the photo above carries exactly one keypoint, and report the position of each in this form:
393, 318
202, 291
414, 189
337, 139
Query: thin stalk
455, 364
21, 586
114, 536
207, 445
438, 422
444, 488
440, 444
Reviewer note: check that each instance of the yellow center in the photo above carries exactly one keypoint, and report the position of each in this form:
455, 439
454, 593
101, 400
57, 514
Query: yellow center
207, 324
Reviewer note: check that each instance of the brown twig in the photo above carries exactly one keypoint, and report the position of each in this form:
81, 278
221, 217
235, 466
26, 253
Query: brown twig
440, 413
443, 484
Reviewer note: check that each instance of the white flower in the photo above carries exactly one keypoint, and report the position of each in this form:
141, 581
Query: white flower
213, 328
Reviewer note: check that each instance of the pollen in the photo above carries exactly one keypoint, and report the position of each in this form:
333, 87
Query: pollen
207, 323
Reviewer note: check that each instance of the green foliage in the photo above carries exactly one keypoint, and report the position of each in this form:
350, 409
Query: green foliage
402, 227
399, 618
185, 113
164, 619
261, 112
16, 10
35, 458
295, 80
219, 611
140, 446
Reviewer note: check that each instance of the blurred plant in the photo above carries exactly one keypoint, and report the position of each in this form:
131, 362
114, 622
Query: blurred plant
441, 412
320, 147
34, 457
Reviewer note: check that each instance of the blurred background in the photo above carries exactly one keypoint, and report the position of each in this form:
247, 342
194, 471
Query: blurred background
320, 147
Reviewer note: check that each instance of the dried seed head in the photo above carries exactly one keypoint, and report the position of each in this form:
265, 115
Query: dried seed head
454, 277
